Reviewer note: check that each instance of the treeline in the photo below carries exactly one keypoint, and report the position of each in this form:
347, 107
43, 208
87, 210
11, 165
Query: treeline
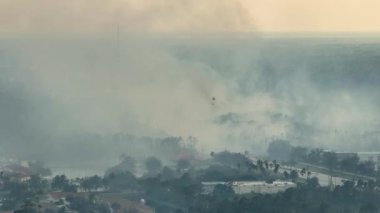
164, 187
283, 150
178, 189
89, 149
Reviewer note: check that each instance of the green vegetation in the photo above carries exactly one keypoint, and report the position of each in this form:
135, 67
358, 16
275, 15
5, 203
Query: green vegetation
153, 165
178, 188
325, 159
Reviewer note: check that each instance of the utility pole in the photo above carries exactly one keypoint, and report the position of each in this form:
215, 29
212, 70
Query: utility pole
331, 184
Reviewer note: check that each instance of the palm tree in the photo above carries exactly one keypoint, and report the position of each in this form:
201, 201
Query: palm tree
308, 174
260, 165
303, 172
286, 175
251, 166
276, 167
293, 175
266, 164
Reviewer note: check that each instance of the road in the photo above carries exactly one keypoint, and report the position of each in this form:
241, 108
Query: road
322, 177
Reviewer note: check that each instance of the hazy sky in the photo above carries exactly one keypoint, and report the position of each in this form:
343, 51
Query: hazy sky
164, 86
95, 16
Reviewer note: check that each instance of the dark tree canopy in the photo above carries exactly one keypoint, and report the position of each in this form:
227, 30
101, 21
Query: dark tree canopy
231, 159
280, 150
183, 164
153, 165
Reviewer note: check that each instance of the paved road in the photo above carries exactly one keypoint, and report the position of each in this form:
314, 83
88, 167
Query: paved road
322, 178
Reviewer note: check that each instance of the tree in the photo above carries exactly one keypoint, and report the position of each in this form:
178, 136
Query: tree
70, 187
276, 168
279, 149
369, 208
79, 204
231, 159
167, 173
366, 167
308, 174
312, 182
260, 164
286, 175
350, 163
360, 183
28, 207
91, 183
315, 156
153, 165
103, 208
223, 191
183, 164
37, 184
250, 166
298, 154
59, 182
266, 163
131, 210
330, 160
38, 168
293, 175
323, 207
127, 164
371, 185
120, 181
115, 207
303, 172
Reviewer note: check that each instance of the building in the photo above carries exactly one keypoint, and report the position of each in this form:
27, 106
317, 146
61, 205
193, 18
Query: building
246, 187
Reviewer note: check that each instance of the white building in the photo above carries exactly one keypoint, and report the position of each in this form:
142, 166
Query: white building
246, 187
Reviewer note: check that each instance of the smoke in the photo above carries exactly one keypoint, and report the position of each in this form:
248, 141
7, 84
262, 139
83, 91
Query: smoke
77, 67
228, 93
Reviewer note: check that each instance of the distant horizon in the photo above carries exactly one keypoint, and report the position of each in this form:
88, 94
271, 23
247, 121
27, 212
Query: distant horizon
200, 35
